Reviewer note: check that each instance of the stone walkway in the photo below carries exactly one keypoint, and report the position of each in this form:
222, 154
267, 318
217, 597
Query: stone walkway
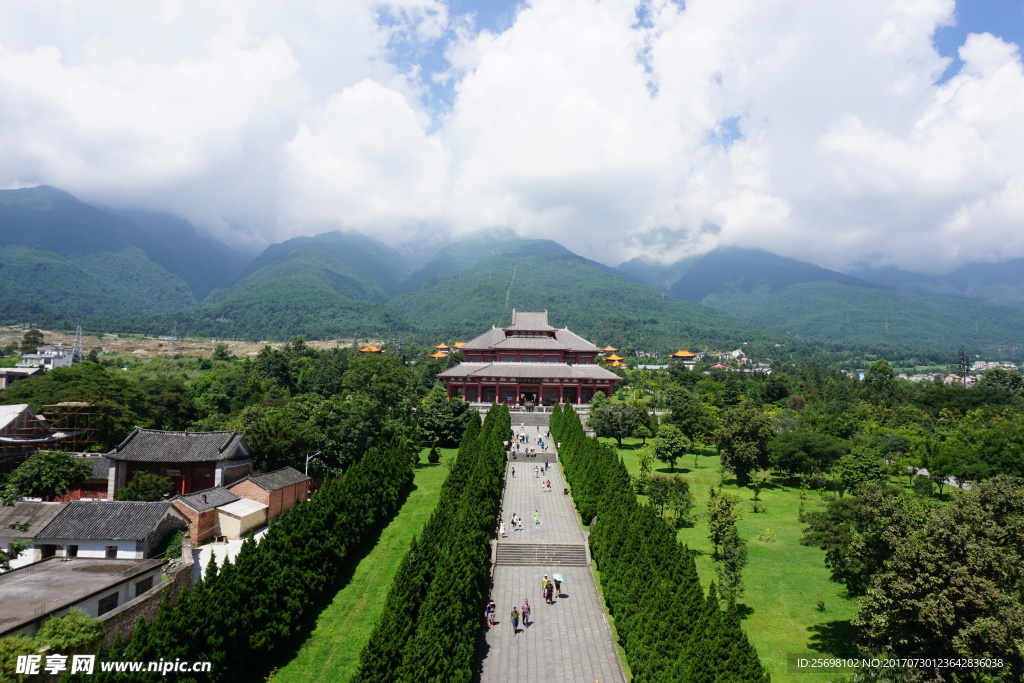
569, 640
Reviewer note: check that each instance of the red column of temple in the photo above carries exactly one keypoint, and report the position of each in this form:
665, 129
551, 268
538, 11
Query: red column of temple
561, 392
451, 390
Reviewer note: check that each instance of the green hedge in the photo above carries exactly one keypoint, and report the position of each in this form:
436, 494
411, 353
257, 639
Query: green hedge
244, 617
431, 625
670, 630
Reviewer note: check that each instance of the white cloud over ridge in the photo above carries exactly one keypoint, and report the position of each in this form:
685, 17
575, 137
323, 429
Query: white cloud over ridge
822, 131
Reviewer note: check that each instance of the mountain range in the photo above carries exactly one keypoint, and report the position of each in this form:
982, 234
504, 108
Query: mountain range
63, 261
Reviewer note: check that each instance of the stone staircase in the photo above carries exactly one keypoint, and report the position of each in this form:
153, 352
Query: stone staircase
542, 554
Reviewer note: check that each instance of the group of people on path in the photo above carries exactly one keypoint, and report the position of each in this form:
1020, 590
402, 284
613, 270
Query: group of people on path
550, 589
517, 525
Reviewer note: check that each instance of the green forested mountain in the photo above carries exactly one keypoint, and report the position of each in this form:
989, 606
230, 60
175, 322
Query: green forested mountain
816, 303
458, 256
307, 264
585, 296
1001, 284
202, 262
64, 259
369, 262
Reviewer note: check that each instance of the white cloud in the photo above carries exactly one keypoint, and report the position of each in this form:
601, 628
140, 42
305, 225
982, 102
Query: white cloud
618, 127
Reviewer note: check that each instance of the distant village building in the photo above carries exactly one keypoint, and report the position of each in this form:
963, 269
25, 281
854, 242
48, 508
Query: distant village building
192, 460
47, 358
529, 362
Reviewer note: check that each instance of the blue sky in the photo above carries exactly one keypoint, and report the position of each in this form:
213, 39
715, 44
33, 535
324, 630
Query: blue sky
1002, 18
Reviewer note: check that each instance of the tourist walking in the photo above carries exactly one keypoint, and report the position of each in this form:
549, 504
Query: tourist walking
536, 516
489, 612
525, 611
558, 585
549, 593
515, 621
513, 472
536, 471
501, 529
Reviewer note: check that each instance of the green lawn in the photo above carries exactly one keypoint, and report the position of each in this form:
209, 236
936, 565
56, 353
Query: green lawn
783, 579
331, 653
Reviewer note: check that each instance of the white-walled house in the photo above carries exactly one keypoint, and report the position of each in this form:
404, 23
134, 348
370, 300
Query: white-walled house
123, 530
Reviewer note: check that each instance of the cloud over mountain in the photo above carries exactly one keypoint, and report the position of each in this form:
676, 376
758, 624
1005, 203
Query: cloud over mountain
830, 132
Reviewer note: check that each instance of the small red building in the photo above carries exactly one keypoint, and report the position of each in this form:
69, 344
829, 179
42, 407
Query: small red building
529, 361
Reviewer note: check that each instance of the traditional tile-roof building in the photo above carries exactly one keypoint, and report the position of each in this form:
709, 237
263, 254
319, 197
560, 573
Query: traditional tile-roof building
192, 460
126, 530
529, 362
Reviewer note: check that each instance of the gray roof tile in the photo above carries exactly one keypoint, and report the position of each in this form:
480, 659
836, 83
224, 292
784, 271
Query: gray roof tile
278, 479
530, 371
529, 322
214, 497
113, 520
152, 445
35, 515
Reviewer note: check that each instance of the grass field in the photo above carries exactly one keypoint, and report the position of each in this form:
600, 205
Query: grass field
783, 579
331, 653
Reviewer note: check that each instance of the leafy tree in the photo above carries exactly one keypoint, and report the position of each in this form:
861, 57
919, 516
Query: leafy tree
690, 415
804, 452
860, 467
76, 632
951, 588
11, 647
1003, 379
880, 385
31, 341
722, 515
382, 377
731, 561
48, 474
616, 420
657, 492
680, 500
441, 420
221, 352
122, 405
742, 441
146, 486
670, 445
858, 533
16, 548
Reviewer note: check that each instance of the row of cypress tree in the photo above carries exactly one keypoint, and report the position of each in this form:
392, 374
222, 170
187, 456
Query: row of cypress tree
431, 624
669, 628
246, 616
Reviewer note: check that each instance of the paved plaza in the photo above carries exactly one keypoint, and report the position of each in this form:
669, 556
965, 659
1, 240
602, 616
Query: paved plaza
569, 640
